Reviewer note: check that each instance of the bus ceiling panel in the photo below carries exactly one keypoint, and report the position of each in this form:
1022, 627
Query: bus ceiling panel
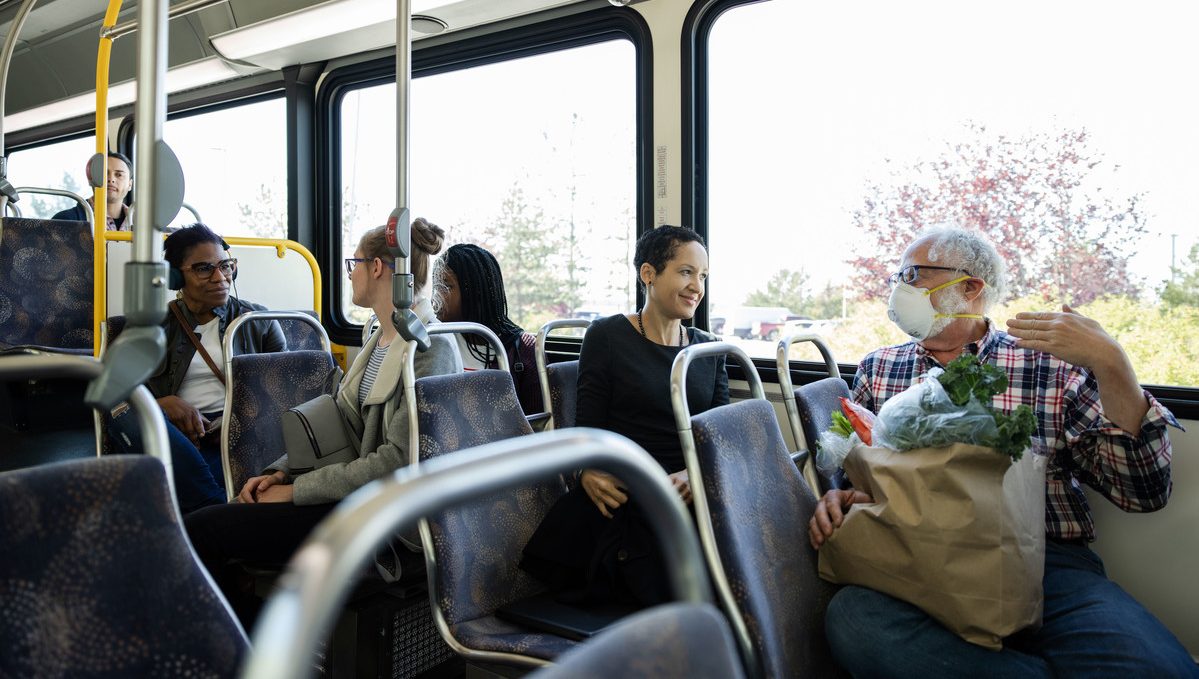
337, 28
53, 17
56, 56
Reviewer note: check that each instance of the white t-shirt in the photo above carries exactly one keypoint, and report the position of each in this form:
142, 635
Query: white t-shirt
200, 387
469, 360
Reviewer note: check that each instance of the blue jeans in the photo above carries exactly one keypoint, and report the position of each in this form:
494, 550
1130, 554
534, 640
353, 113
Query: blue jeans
1092, 628
199, 481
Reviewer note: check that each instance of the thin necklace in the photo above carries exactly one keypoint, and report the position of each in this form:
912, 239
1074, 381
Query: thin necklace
642, 328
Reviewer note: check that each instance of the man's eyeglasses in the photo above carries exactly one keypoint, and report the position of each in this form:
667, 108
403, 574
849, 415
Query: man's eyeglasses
910, 274
204, 270
351, 262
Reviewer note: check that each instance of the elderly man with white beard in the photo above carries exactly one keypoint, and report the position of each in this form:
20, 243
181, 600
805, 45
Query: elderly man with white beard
1096, 424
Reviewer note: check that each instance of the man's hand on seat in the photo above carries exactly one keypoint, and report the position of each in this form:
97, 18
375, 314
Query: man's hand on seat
830, 513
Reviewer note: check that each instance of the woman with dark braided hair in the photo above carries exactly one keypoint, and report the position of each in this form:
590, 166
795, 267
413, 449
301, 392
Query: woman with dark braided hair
470, 287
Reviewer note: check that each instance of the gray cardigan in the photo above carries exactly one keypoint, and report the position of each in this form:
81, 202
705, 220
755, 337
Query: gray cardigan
381, 424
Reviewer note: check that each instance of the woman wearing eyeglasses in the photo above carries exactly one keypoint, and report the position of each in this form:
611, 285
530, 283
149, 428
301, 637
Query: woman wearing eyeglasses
189, 383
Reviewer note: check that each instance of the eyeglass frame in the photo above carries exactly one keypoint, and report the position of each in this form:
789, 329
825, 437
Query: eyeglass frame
895, 278
352, 262
219, 266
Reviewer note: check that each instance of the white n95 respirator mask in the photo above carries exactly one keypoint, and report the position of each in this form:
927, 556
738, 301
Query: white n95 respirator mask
911, 308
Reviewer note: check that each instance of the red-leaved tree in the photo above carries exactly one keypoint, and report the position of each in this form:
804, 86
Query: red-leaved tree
1033, 196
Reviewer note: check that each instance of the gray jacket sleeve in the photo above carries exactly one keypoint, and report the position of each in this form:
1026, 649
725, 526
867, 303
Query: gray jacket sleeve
334, 482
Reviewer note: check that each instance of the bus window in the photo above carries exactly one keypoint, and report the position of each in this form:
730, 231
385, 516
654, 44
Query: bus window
531, 158
833, 139
235, 163
56, 166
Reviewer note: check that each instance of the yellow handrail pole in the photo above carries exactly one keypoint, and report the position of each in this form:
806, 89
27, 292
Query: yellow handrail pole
281, 246
100, 193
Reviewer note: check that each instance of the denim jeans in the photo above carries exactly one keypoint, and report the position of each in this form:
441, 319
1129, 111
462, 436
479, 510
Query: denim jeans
1092, 628
199, 481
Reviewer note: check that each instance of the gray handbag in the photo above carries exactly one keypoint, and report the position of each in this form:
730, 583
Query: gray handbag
315, 436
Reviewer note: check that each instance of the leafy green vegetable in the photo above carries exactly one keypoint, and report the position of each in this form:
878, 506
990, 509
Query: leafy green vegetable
965, 376
841, 424
1014, 431
956, 407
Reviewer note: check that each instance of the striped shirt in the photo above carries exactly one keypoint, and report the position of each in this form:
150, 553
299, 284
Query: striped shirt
1083, 444
372, 371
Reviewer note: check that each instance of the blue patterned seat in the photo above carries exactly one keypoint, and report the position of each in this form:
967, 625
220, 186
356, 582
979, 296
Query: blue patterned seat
760, 509
98, 580
46, 285
264, 387
815, 403
563, 378
674, 641
301, 335
477, 545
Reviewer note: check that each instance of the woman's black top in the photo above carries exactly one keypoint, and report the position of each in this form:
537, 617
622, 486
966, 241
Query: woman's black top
624, 387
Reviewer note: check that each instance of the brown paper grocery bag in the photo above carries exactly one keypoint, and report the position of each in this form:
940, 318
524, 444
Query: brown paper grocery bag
956, 531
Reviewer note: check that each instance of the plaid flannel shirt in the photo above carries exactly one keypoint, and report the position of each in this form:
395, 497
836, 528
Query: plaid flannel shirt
1084, 446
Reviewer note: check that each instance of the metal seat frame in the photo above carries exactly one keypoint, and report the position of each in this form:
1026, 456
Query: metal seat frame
699, 497
543, 374
318, 579
805, 455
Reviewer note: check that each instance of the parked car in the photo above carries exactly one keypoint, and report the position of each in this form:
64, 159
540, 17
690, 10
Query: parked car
772, 330
814, 325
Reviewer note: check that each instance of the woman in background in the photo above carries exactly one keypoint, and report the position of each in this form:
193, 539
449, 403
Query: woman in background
470, 287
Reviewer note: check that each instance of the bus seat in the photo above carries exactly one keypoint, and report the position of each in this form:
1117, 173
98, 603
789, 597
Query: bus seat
301, 335
559, 381
563, 381
809, 408
815, 403
760, 508
474, 548
673, 641
263, 387
106, 583
112, 328
46, 285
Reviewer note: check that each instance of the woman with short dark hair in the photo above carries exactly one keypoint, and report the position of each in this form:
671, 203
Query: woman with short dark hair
595, 545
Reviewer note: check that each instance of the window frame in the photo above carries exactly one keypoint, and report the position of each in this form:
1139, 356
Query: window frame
50, 141
697, 29
509, 41
254, 94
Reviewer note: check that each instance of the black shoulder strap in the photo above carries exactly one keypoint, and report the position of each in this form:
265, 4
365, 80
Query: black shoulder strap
187, 328
518, 366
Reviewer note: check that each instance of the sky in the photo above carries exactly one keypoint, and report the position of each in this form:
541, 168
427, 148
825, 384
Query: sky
800, 122
808, 102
